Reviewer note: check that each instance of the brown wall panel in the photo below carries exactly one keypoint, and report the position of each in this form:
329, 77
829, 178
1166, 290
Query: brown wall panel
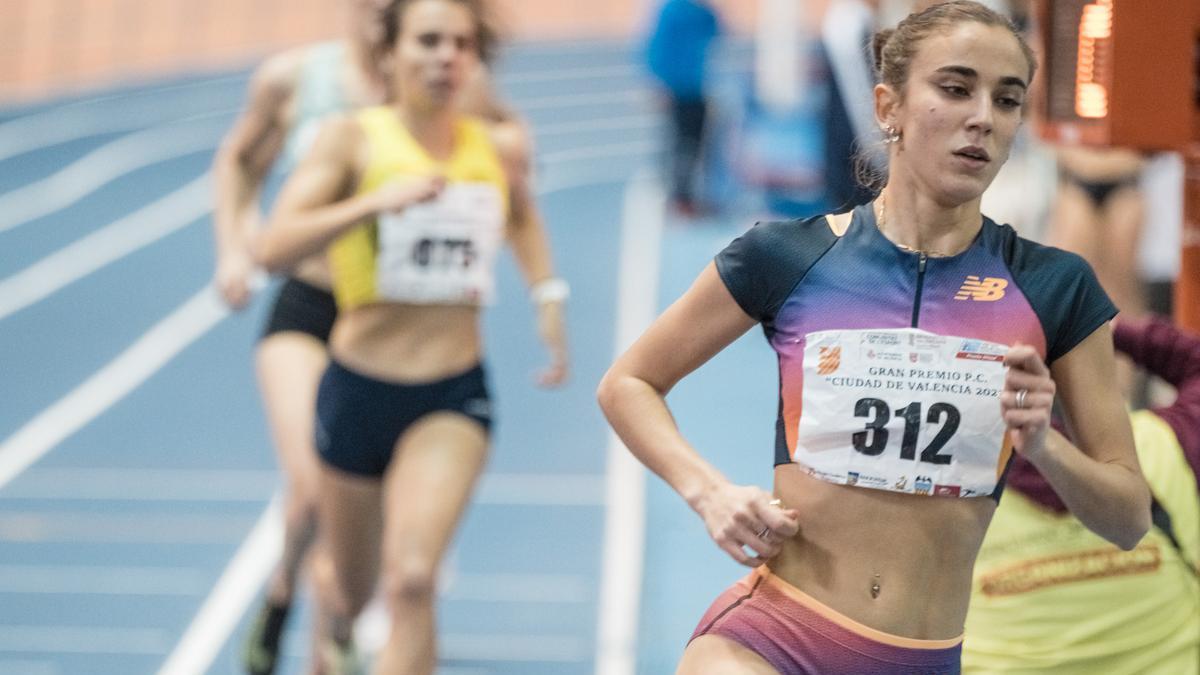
55, 45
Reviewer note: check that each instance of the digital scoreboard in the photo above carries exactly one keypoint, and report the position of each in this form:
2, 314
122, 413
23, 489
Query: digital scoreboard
1126, 73
1120, 72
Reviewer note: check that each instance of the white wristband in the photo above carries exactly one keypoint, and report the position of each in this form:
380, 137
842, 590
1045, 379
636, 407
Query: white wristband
553, 289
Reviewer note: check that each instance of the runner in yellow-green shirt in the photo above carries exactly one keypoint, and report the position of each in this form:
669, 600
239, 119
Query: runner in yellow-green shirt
1049, 596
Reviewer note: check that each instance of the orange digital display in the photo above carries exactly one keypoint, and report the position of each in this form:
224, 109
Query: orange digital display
1095, 37
1117, 72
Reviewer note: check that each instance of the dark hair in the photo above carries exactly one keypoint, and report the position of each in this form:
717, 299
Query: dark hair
894, 49
486, 38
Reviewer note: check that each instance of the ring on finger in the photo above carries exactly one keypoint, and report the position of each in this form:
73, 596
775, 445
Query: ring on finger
765, 531
1021, 394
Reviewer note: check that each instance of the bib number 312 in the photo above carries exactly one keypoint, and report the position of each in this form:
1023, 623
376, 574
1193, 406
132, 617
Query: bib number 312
873, 440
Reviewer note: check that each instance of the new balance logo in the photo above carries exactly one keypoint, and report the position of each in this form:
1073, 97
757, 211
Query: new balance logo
988, 289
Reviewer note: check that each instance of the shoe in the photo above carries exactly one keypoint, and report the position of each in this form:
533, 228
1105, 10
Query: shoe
261, 651
341, 659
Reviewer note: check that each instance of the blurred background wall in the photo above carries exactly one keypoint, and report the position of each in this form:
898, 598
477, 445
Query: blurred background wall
48, 46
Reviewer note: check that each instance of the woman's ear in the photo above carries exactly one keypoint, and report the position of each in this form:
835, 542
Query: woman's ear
887, 104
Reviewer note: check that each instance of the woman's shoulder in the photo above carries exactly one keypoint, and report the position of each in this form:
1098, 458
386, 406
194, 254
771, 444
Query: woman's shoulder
511, 138
1027, 255
341, 139
771, 246
796, 230
1060, 287
343, 126
763, 265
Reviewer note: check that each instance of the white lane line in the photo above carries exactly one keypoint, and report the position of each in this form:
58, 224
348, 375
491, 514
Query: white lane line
252, 564
605, 99
635, 150
74, 122
106, 527
113, 112
72, 183
516, 48
92, 171
567, 74
608, 46
111, 383
192, 202
105, 245
83, 640
234, 592
78, 119
103, 580
725, 63
588, 126
107, 95
202, 485
141, 359
632, 94
14, 667
625, 517
143, 485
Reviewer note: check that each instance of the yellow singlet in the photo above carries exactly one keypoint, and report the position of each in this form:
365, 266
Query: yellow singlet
439, 252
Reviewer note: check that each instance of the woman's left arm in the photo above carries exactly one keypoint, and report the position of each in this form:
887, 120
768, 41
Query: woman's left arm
531, 248
1100, 481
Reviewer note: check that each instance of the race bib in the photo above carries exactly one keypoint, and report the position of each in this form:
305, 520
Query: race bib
903, 410
442, 251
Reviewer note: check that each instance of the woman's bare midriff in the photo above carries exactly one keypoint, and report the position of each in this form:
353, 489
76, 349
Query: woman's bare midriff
895, 562
407, 343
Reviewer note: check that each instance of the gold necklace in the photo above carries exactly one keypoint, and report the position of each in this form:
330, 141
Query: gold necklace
879, 223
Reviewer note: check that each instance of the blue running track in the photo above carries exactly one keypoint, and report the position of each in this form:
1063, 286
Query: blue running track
134, 458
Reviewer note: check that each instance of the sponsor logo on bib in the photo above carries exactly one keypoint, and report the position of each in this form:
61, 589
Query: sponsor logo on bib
923, 485
831, 358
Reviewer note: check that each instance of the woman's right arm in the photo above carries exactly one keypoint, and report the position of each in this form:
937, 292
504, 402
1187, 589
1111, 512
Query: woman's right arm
632, 394
240, 167
318, 204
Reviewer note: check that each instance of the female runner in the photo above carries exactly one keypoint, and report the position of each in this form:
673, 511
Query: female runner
919, 345
413, 201
289, 95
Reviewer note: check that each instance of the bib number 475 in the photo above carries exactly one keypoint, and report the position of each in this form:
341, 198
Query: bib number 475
873, 440
445, 253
